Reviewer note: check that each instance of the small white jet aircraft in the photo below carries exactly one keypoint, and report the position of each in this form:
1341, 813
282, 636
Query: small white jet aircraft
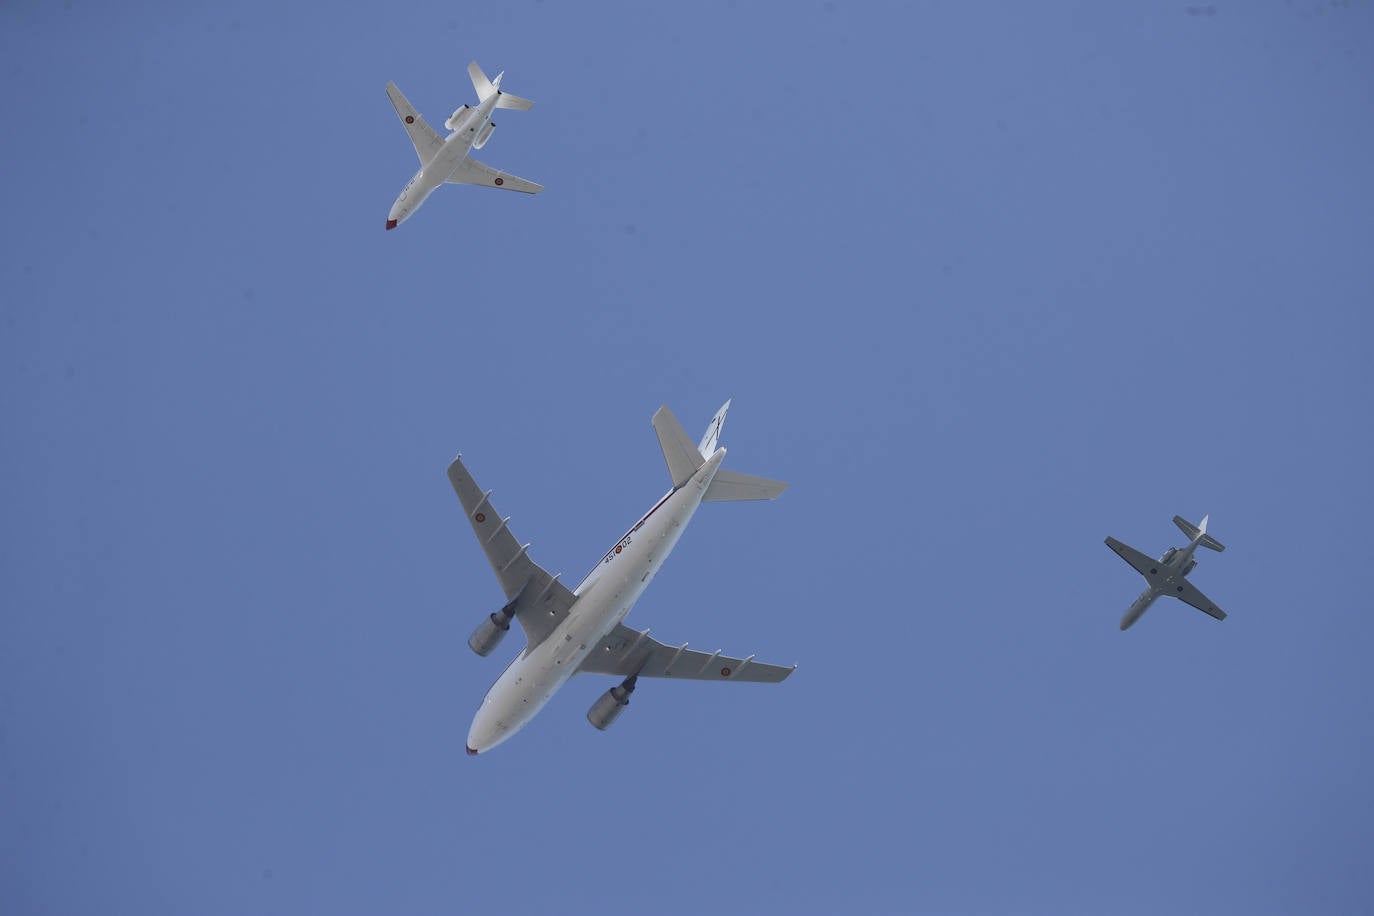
1167, 574
581, 631
446, 159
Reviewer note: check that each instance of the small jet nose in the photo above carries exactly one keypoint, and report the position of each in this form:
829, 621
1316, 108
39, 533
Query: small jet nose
472, 751
391, 224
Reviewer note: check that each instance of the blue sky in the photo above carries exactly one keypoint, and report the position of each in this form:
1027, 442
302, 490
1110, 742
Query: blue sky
987, 282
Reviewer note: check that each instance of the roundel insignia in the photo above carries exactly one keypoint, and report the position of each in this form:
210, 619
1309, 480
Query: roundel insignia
500, 181
410, 119
617, 548
481, 517
725, 672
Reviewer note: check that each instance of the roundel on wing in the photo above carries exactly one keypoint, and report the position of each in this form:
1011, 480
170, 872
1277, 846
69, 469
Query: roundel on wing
617, 548
410, 119
481, 517
500, 181
725, 672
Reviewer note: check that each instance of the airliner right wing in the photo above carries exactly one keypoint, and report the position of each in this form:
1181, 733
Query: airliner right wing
625, 652
470, 171
424, 137
541, 601
1146, 565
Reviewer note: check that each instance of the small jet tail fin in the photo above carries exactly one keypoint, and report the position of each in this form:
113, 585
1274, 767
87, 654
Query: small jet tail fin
1199, 533
683, 458
486, 87
711, 440
513, 101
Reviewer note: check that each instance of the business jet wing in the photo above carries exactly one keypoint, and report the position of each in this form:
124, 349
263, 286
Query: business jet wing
541, 601
1188, 593
470, 171
1144, 564
625, 652
424, 137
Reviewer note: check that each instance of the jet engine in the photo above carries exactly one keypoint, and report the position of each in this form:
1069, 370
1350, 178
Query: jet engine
484, 135
1168, 555
455, 119
489, 632
612, 703
1189, 568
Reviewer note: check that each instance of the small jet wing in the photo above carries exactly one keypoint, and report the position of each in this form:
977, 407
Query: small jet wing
424, 137
625, 652
1188, 593
1146, 565
470, 171
541, 601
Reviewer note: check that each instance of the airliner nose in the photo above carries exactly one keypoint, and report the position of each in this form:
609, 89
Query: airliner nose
391, 224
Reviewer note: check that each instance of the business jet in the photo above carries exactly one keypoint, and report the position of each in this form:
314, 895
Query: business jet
582, 630
1166, 576
445, 159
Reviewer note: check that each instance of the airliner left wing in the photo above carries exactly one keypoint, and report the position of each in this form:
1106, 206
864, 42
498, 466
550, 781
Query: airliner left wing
470, 171
541, 601
625, 652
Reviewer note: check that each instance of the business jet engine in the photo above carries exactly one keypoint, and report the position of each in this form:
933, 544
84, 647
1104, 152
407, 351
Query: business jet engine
455, 120
484, 135
612, 703
490, 632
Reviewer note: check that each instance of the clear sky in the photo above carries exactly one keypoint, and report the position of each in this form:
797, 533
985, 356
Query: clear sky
986, 281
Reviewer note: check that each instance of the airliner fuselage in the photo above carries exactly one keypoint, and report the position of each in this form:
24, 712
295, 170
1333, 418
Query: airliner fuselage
604, 598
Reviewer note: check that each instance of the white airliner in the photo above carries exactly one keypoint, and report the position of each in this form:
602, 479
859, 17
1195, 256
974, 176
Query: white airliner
1167, 574
581, 631
446, 159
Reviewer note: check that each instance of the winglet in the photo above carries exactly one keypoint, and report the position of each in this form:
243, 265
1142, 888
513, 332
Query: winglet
683, 458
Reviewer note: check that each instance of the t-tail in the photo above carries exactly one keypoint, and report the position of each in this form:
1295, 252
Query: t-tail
1199, 533
685, 459
486, 87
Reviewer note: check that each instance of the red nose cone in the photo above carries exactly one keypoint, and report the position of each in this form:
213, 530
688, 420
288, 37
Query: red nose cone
471, 752
391, 224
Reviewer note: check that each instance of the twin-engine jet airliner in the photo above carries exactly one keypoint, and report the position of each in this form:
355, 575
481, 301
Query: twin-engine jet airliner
576, 631
1167, 574
446, 159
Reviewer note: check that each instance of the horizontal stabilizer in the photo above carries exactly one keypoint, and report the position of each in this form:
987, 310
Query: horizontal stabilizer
513, 101
678, 449
1193, 531
730, 485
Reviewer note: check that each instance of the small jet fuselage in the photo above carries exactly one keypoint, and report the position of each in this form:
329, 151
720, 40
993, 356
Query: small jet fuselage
1169, 574
467, 124
447, 159
1174, 565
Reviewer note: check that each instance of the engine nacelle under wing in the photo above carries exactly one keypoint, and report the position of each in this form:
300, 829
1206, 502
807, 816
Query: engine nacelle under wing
491, 631
611, 704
